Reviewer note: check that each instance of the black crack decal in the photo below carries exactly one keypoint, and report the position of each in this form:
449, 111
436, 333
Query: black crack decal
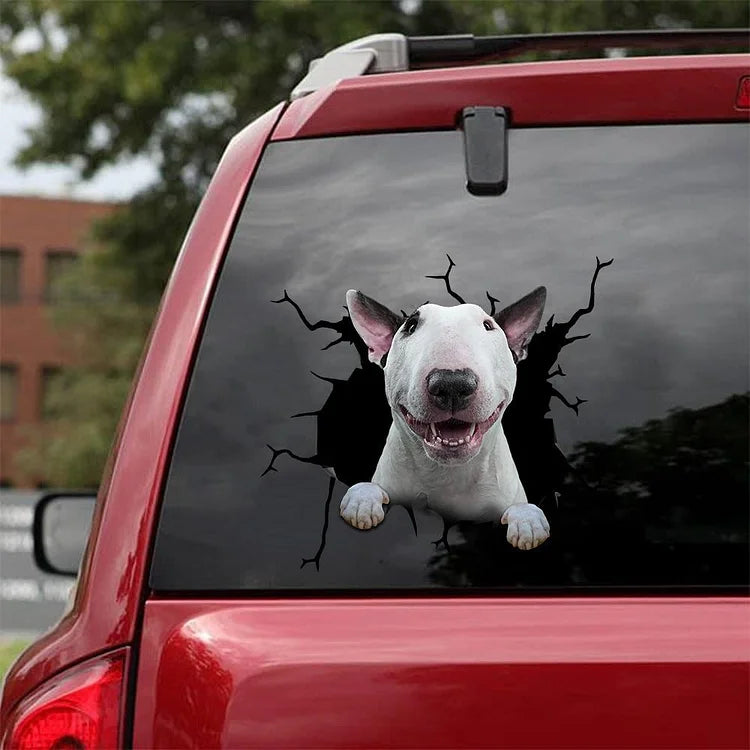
529, 429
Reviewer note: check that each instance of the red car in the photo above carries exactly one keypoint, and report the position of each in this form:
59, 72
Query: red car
501, 499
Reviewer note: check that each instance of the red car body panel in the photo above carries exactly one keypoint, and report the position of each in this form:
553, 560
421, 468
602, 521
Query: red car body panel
603, 672
111, 585
578, 92
594, 673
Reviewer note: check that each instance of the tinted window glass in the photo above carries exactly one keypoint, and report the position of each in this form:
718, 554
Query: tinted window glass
58, 264
8, 392
52, 392
628, 427
10, 275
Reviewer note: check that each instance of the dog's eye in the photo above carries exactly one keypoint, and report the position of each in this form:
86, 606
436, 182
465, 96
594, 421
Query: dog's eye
411, 325
488, 325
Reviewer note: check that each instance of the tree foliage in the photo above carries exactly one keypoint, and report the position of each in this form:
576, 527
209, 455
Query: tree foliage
677, 469
662, 503
174, 81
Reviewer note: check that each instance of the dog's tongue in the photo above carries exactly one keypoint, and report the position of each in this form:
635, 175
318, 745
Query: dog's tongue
453, 429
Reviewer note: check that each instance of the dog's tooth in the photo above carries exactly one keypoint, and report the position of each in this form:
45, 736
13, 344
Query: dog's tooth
460, 441
432, 428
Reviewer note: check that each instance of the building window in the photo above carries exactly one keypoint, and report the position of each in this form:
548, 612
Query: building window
8, 392
50, 396
57, 264
10, 275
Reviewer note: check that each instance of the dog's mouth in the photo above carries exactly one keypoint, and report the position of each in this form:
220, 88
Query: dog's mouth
451, 433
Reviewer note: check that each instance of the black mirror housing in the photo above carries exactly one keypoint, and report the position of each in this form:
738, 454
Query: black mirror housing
62, 521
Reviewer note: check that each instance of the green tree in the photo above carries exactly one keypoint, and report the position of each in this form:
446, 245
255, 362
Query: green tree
677, 470
174, 81
664, 502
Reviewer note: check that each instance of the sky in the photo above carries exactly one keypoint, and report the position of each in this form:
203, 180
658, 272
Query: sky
119, 182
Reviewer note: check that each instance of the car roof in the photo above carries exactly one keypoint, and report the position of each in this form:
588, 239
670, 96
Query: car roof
389, 53
637, 90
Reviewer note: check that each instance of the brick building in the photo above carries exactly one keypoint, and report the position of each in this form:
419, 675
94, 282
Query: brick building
39, 239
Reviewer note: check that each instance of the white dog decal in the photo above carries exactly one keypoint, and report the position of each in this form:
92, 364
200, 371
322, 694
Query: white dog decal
450, 373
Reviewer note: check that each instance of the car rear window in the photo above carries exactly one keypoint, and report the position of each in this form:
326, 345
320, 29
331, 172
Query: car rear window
628, 424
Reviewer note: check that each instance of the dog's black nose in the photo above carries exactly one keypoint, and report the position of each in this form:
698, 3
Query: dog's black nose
451, 390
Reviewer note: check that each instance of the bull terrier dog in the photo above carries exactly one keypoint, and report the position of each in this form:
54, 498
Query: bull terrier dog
450, 373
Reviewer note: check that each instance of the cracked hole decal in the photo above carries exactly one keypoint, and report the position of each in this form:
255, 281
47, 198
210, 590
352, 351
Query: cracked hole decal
459, 408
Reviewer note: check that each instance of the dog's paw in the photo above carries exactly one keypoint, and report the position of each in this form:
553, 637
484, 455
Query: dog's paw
362, 505
527, 525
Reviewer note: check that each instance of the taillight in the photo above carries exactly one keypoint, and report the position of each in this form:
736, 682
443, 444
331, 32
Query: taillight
79, 709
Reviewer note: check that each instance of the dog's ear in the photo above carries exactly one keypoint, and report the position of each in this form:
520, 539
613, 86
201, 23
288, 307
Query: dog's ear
374, 322
521, 319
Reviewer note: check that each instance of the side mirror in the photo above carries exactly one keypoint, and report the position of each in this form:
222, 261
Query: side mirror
61, 529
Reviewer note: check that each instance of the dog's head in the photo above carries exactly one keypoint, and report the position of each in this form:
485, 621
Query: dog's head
450, 372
